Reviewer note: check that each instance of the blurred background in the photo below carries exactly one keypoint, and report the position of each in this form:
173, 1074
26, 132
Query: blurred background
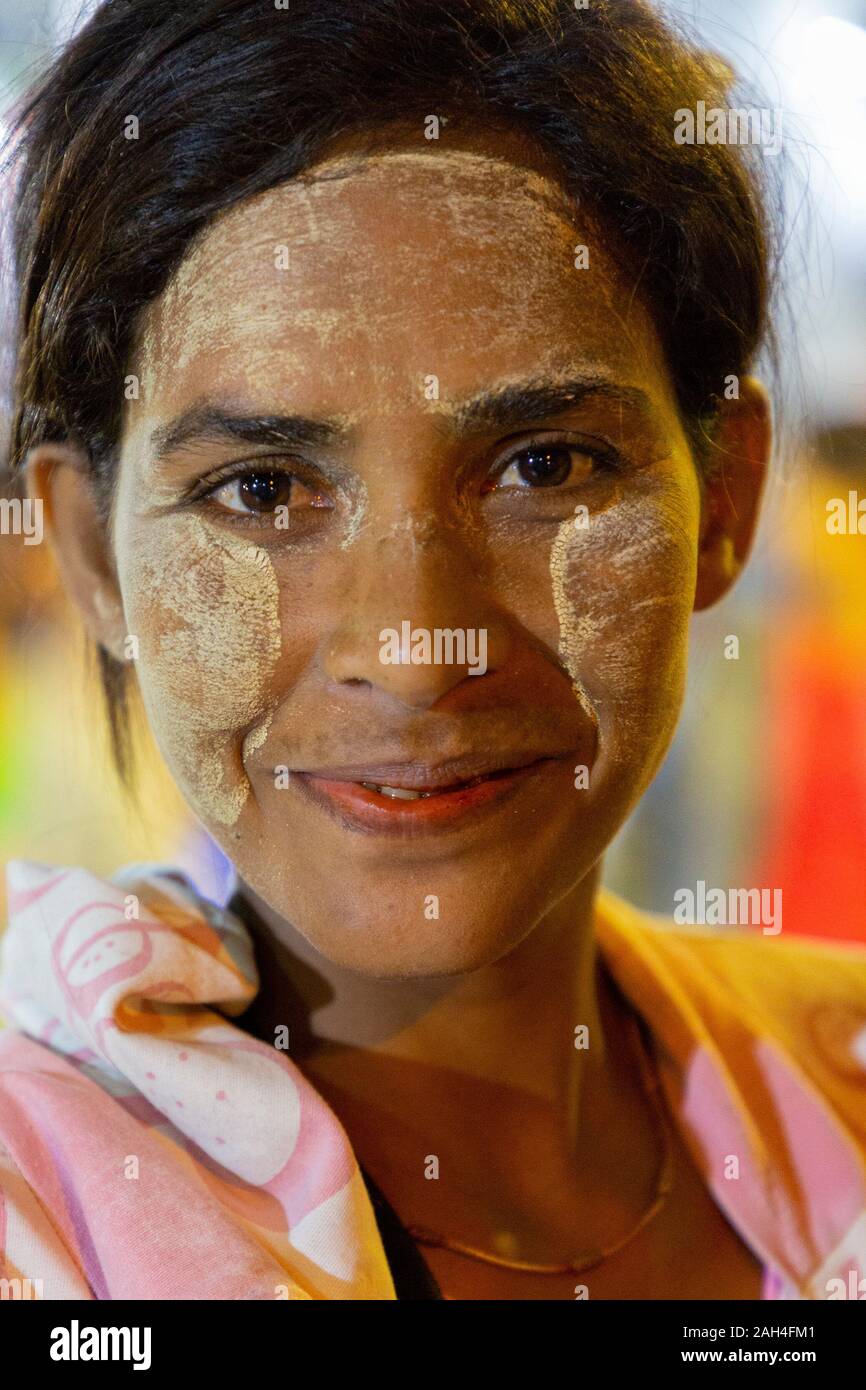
765, 785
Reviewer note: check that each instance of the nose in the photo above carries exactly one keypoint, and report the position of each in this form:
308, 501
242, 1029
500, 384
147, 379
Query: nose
415, 618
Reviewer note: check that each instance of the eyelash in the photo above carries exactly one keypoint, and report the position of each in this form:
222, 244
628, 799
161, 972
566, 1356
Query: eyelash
202, 490
603, 455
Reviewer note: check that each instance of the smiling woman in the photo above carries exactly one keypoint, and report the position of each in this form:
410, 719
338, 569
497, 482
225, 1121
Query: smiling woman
293, 374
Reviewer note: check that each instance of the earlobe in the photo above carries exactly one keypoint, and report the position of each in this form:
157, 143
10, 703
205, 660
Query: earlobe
742, 444
59, 475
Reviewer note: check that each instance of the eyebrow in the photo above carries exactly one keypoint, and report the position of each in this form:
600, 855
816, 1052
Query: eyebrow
504, 408
206, 422
528, 401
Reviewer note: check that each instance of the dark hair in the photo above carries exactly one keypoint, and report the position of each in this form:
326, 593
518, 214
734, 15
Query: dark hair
235, 96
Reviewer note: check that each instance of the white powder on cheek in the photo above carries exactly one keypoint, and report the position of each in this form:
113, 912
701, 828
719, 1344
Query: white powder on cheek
206, 606
575, 630
357, 513
623, 589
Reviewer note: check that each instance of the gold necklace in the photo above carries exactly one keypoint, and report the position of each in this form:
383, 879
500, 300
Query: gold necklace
592, 1259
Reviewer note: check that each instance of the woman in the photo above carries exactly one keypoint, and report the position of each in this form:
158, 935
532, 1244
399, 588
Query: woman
373, 374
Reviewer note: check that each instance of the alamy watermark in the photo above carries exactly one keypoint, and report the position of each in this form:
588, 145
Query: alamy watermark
729, 125
438, 646
729, 907
22, 516
18, 1289
77, 1343
846, 516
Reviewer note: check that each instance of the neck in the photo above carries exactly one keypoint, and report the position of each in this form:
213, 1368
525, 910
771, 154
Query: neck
486, 1061
509, 1026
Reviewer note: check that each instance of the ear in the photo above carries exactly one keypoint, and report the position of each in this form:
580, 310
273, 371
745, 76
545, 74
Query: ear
58, 474
733, 491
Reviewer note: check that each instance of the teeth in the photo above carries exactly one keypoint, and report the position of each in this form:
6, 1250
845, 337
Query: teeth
398, 793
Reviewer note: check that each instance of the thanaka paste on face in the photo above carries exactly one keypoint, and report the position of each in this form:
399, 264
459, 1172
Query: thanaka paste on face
206, 304
207, 608
639, 534
207, 309
572, 626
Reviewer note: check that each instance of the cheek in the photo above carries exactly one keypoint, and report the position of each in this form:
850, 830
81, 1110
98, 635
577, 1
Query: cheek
623, 590
205, 609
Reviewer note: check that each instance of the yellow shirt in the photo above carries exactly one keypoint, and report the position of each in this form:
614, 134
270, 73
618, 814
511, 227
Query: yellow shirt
761, 1043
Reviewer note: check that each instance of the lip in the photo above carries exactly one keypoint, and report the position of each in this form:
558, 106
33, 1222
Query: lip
426, 776
361, 808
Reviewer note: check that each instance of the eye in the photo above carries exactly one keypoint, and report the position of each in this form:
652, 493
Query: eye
547, 465
262, 491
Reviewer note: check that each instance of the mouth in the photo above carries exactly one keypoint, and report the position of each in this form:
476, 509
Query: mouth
414, 798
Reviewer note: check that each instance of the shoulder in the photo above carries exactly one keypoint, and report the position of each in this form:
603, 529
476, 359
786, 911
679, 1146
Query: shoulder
806, 995
778, 972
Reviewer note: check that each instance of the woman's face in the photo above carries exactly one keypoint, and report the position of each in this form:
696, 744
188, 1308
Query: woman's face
443, 414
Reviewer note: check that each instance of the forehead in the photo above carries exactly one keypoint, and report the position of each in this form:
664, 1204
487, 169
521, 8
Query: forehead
379, 270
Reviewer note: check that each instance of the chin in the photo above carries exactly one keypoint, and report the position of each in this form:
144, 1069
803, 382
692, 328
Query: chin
443, 919
394, 945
